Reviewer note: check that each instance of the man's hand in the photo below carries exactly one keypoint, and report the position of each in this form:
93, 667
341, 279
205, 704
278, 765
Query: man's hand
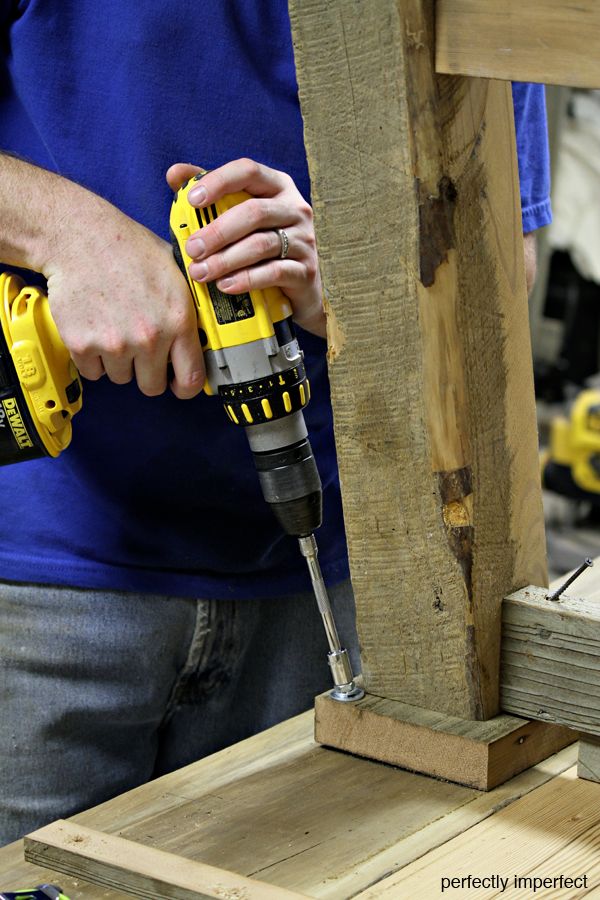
119, 301
241, 249
121, 304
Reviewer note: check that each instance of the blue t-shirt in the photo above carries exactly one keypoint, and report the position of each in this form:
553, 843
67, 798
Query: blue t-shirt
533, 154
157, 494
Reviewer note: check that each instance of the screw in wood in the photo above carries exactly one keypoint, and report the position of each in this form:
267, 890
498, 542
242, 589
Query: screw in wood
584, 565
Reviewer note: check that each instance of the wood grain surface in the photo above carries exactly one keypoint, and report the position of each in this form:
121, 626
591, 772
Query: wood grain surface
280, 809
548, 41
415, 191
478, 754
588, 761
140, 870
551, 832
551, 658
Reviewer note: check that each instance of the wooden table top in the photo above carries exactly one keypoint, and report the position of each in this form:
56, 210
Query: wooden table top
292, 813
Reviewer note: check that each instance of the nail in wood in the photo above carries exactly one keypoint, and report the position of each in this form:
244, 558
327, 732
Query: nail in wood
584, 565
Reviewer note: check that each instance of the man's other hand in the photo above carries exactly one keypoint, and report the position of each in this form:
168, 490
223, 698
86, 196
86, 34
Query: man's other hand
241, 249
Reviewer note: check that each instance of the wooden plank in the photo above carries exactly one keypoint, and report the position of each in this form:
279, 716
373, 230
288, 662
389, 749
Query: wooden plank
551, 659
553, 831
417, 214
143, 871
548, 41
320, 822
284, 746
479, 754
15, 874
588, 763
445, 829
297, 815
303, 824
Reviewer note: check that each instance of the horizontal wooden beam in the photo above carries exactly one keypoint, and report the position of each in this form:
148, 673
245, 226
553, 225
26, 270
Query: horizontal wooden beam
550, 667
125, 865
548, 41
478, 754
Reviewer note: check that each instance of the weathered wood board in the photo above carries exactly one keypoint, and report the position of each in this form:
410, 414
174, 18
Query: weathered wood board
553, 832
417, 211
478, 754
588, 762
281, 809
548, 41
143, 871
550, 667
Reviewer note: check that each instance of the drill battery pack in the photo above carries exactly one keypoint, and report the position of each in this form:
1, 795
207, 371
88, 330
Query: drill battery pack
40, 389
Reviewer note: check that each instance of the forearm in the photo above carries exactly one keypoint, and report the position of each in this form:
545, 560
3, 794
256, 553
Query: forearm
117, 297
36, 206
530, 248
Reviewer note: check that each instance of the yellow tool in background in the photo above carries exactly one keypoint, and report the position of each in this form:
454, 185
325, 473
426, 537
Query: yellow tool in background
571, 465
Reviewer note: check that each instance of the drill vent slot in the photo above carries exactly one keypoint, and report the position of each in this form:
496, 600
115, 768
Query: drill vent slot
206, 215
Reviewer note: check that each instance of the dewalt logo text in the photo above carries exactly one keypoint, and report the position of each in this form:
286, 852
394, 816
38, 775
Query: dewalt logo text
14, 419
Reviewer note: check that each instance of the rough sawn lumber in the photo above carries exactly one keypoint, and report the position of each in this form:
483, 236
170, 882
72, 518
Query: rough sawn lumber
548, 41
282, 809
588, 763
478, 754
553, 831
417, 212
551, 659
144, 871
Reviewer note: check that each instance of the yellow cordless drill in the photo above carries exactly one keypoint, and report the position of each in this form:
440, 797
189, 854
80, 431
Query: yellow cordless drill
253, 362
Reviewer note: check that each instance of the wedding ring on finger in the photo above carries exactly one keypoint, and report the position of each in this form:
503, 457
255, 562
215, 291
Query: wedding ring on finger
285, 243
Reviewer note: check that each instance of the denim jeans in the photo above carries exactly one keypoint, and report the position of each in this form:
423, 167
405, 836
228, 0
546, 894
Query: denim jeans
100, 692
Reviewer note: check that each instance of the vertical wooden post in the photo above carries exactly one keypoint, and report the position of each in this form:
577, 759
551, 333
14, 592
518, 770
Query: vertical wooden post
415, 189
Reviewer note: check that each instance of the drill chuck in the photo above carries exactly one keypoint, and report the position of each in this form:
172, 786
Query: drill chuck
291, 486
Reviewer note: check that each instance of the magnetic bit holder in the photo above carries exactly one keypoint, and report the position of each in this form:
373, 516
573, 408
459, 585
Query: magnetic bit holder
345, 688
584, 565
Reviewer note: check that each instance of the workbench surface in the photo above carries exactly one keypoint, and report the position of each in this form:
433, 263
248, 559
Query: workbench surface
289, 812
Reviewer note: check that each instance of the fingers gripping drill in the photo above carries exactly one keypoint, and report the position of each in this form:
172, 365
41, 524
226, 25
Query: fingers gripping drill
254, 363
